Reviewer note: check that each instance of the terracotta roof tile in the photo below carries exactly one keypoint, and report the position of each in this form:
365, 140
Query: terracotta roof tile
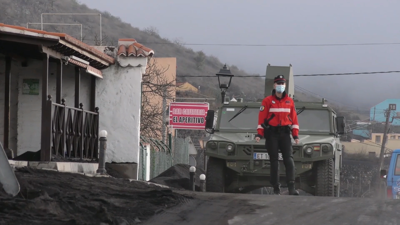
129, 47
121, 50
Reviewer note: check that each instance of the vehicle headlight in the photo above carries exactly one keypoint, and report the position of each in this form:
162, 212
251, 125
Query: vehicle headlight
327, 148
229, 148
308, 151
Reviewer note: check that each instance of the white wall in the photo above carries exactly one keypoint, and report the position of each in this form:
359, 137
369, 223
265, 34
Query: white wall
13, 137
29, 109
118, 99
25, 127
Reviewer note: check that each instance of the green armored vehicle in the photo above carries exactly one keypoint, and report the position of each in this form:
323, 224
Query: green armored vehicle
237, 163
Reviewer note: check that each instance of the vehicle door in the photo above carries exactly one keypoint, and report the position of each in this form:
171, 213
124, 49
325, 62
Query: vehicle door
396, 177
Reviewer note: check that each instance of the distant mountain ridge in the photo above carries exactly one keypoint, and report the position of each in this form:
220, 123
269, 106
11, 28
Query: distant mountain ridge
189, 62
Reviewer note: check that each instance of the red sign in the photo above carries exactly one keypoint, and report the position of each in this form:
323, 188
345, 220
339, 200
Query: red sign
188, 115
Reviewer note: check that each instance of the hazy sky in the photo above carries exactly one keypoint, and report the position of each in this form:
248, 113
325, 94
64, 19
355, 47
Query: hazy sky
282, 22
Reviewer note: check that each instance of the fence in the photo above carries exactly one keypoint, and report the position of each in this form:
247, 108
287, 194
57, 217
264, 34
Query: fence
357, 178
181, 150
160, 156
69, 132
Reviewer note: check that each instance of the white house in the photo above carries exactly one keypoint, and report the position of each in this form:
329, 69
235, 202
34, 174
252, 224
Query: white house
58, 92
119, 97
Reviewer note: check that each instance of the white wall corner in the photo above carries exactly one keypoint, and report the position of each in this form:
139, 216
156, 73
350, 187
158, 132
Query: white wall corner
118, 97
132, 62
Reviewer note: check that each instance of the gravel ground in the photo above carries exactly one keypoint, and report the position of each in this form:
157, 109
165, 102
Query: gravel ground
49, 197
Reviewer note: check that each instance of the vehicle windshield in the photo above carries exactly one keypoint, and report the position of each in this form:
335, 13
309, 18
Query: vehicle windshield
309, 119
247, 120
314, 120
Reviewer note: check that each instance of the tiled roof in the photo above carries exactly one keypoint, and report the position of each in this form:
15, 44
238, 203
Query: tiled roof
62, 39
130, 47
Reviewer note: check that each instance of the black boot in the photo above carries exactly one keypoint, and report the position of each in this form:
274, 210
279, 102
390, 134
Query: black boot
291, 189
277, 189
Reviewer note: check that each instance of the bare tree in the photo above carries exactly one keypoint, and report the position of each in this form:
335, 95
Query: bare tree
156, 86
152, 31
104, 41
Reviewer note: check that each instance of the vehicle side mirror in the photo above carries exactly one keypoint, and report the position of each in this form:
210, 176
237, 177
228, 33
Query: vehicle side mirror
210, 119
341, 125
383, 173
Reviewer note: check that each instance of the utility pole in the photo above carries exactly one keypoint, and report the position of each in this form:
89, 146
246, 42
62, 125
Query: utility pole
377, 181
384, 139
381, 156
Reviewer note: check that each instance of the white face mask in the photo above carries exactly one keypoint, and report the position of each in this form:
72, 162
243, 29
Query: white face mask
280, 88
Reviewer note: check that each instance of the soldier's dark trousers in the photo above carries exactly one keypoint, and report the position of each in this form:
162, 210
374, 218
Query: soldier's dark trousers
275, 140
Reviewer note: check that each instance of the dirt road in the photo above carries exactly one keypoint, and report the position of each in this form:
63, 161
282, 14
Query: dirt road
246, 209
49, 197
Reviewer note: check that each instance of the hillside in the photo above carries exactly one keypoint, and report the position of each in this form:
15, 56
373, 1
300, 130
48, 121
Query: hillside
20, 12
189, 62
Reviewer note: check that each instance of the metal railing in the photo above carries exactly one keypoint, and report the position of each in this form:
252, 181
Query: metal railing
75, 14
60, 24
74, 132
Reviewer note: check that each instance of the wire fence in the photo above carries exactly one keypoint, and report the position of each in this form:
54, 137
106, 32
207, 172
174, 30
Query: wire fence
181, 150
156, 157
357, 179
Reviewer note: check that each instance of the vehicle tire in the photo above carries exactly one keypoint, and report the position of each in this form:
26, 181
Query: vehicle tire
215, 175
325, 178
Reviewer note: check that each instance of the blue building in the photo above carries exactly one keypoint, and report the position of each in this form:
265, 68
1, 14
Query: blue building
377, 112
361, 134
362, 131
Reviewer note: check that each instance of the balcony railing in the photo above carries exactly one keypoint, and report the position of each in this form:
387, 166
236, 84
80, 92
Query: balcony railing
74, 131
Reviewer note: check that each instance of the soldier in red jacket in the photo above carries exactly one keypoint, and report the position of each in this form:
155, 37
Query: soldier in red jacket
277, 118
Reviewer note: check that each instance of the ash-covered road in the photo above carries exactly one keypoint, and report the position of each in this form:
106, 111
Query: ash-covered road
247, 209
49, 197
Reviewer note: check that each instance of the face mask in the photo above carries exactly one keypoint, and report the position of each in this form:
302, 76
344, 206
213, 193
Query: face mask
280, 88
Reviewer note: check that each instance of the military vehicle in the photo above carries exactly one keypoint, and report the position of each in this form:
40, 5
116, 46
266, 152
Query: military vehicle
237, 163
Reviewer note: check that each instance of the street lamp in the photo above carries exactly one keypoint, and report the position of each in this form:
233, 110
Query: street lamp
102, 156
226, 78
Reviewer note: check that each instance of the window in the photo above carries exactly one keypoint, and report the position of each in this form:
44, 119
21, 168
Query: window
378, 139
334, 124
397, 169
310, 120
248, 119
393, 137
314, 120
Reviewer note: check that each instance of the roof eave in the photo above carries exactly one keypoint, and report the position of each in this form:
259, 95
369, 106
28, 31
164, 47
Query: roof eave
89, 49
23, 38
53, 40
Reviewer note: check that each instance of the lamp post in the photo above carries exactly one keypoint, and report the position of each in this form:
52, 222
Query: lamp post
192, 171
102, 157
202, 181
224, 80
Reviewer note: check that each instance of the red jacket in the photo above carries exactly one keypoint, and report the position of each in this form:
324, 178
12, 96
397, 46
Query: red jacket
283, 111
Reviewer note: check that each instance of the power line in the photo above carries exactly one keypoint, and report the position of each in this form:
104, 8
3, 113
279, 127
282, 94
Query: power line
307, 75
276, 45
338, 103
